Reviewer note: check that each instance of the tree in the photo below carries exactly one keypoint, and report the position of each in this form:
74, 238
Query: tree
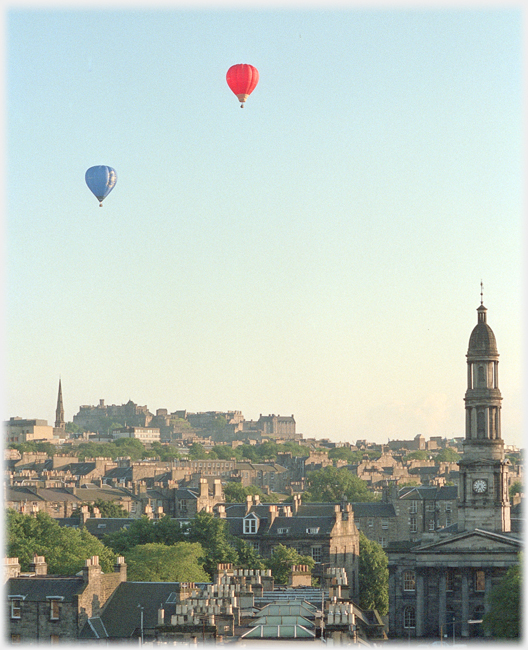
343, 453
225, 452
47, 447
178, 562
419, 454
197, 451
282, 560
447, 455
237, 493
267, 450
248, 558
212, 533
294, 448
332, 484
503, 621
165, 451
145, 531
65, 549
373, 575
107, 508
515, 488
71, 427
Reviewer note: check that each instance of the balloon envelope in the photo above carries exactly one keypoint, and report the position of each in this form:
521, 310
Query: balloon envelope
242, 78
101, 180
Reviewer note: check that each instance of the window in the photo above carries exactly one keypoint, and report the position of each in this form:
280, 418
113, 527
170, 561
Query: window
54, 610
16, 606
409, 618
448, 506
413, 526
480, 581
370, 522
15, 638
431, 524
413, 507
317, 554
450, 579
384, 523
382, 541
478, 613
430, 506
255, 545
312, 531
283, 531
448, 520
250, 526
54, 638
409, 581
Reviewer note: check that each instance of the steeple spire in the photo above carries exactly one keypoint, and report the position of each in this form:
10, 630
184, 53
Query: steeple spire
481, 294
59, 413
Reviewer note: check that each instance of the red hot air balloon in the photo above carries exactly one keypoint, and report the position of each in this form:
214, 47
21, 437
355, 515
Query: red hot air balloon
242, 79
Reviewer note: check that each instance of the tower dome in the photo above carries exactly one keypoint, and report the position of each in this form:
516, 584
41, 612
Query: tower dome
482, 340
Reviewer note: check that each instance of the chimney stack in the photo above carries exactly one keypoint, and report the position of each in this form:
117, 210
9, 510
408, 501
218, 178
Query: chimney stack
39, 566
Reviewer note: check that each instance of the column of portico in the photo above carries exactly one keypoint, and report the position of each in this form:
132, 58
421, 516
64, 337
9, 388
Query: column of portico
487, 605
442, 598
420, 599
465, 602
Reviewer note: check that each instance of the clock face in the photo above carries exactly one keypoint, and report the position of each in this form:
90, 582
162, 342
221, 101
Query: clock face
480, 485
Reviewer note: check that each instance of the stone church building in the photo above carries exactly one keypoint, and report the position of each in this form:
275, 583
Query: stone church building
440, 585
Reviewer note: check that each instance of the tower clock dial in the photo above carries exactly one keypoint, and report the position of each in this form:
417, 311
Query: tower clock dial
480, 486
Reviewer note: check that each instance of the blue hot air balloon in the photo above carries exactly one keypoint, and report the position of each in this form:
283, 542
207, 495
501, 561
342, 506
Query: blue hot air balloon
101, 181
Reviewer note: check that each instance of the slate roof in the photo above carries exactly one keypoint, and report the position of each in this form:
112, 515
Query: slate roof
373, 509
186, 493
106, 525
58, 494
94, 629
298, 524
121, 615
446, 492
36, 588
106, 493
79, 469
21, 494
119, 473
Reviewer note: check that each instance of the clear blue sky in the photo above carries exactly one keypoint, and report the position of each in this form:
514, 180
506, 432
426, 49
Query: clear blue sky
318, 253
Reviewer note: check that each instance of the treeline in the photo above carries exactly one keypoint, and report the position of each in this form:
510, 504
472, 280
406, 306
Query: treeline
136, 450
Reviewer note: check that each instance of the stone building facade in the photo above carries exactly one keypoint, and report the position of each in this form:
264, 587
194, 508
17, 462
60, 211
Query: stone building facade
324, 531
46, 608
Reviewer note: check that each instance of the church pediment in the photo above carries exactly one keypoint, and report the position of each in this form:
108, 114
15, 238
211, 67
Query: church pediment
473, 541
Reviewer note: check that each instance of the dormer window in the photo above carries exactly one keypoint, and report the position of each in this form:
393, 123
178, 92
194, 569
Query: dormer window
283, 531
312, 531
16, 607
250, 525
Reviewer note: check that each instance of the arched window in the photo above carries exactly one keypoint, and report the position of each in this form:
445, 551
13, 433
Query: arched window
409, 581
409, 618
481, 376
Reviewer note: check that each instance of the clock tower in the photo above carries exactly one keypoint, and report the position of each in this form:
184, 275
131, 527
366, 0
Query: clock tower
483, 488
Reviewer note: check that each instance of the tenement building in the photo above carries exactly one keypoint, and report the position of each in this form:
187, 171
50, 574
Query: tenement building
440, 584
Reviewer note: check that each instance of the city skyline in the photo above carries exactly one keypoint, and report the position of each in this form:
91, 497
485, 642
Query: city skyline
318, 253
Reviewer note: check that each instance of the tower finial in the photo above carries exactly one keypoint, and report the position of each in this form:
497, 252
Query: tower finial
481, 293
